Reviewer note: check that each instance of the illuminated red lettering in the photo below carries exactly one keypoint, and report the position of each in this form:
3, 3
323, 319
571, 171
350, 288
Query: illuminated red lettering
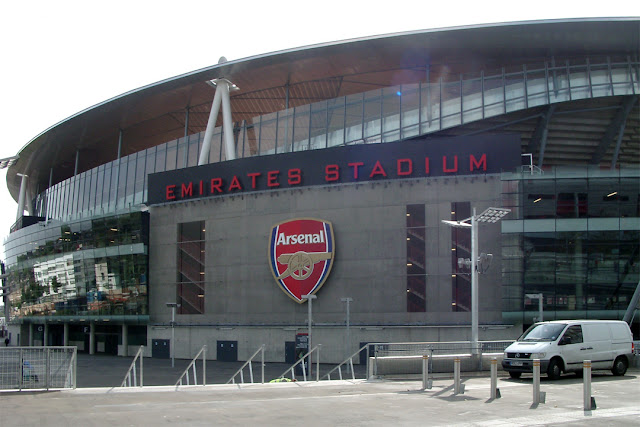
455, 165
355, 167
201, 187
187, 190
253, 177
295, 176
377, 170
235, 184
272, 179
409, 167
216, 185
170, 193
331, 173
478, 163
426, 165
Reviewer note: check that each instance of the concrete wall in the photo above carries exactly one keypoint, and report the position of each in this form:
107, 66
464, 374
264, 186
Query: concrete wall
369, 223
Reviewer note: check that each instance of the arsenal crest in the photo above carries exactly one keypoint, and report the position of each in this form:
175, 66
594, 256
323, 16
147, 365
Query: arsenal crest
301, 255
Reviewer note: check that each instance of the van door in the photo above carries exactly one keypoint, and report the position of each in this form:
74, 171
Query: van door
572, 348
597, 336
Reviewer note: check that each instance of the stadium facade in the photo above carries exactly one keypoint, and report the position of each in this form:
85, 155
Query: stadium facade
232, 193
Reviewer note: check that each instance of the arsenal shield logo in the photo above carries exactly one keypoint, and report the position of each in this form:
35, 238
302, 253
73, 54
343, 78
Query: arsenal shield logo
301, 255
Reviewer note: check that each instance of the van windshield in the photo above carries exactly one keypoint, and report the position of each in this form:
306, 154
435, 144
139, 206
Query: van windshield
543, 332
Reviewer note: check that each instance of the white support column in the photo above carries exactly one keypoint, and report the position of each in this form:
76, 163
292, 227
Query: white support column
45, 338
227, 124
65, 336
92, 338
30, 334
21, 197
474, 283
223, 87
208, 133
125, 340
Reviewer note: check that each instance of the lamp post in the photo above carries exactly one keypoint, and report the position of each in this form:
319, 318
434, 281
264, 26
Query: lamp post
490, 215
309, 299
173, 306
348, 300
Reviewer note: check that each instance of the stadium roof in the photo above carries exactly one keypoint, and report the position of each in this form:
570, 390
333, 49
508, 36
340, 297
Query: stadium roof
155, 113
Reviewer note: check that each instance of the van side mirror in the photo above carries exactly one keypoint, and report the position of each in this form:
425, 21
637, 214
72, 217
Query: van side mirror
565, 340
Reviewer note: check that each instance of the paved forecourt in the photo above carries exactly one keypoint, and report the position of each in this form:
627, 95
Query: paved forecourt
359, 402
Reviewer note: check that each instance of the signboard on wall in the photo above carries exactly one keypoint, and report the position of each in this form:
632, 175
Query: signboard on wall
301, 253
416, 158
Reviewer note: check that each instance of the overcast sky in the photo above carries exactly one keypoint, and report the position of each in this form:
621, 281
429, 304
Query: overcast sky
60, 57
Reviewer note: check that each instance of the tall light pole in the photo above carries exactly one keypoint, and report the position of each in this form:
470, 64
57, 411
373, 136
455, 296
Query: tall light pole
173, 306
490, 215
309, 299
348, 300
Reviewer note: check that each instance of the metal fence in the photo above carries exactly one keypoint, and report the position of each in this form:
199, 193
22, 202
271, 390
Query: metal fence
37, 368
392, 359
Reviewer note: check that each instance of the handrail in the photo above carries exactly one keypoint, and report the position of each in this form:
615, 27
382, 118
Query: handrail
248, 362
304, 371
350, 360
126, 382
202, 351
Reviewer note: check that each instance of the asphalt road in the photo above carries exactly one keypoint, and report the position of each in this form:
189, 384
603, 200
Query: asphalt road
352, 403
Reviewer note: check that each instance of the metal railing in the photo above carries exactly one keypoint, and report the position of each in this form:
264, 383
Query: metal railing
250, 365
131, 374
305, 362
38, 367
192, 366
349, 364
406, 358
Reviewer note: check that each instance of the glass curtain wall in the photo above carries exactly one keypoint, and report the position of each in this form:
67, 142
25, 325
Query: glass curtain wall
96, 267
575, 239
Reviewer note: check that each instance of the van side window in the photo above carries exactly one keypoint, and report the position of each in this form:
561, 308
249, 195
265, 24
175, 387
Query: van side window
573, 335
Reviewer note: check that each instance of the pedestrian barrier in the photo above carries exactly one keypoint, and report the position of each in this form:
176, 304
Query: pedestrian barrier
305, 364
589, 401
250, 365
495, 391
185, 374
402, 359
37, 368
348, 362
538, 396
131, 377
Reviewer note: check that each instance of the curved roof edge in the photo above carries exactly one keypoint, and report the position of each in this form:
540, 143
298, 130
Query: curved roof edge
230, 63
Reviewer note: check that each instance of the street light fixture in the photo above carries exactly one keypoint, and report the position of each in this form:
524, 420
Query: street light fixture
173, 306
490, 215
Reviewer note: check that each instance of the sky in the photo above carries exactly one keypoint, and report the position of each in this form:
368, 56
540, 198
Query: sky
61, 57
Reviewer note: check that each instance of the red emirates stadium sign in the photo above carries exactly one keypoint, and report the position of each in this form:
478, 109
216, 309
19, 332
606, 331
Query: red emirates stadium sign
301, 253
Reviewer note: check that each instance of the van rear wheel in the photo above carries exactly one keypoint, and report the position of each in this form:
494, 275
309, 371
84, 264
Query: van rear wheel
620, 366
515, 375
554, 370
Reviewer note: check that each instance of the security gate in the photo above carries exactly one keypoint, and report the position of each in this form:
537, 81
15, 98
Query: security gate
37, 367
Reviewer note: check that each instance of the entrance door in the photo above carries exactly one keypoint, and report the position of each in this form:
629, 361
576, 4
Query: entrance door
160, 349
227, 351
290, 352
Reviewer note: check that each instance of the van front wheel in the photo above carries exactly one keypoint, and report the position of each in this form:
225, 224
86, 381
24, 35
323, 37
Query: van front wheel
554, 370
620, 366
515, 375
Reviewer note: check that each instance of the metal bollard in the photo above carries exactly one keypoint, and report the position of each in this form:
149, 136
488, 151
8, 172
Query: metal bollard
457, 387
495, 391
426, 382
589, 401
538, 397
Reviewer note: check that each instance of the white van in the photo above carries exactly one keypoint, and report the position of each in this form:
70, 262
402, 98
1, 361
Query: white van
563, 345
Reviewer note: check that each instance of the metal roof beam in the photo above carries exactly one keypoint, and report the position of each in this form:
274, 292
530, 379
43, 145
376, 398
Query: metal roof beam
616, 127
538, 140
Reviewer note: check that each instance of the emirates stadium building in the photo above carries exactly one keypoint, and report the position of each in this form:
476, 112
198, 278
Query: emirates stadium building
378, 180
